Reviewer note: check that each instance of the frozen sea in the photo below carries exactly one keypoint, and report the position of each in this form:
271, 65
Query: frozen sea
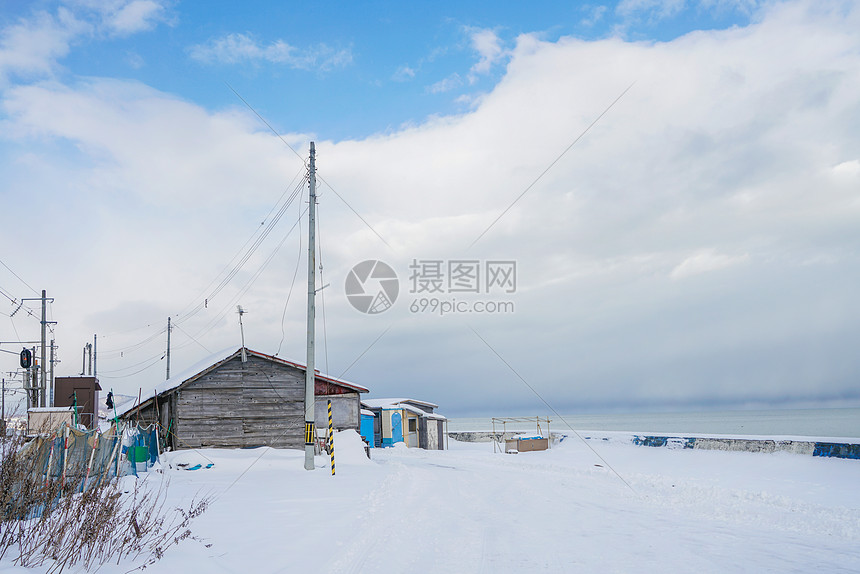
831, 422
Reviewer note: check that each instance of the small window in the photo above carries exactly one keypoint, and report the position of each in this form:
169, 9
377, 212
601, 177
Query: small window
413, 425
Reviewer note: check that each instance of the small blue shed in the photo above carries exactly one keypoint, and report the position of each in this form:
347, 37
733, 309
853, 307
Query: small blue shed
367, 427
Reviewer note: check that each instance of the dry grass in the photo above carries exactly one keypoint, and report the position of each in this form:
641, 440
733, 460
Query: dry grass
47, 523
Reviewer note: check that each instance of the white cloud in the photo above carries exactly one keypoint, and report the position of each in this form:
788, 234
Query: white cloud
452, 82
653, 9
136, 16
594, 15
706, 261
488, 45
403, 74
32, 47
240, 48
741, 140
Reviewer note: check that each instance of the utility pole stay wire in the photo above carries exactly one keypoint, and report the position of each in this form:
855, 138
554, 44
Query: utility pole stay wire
292, 149
550, 166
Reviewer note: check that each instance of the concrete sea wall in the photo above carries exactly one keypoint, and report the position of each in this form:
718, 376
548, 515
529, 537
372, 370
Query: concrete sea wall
850, 450
814, 448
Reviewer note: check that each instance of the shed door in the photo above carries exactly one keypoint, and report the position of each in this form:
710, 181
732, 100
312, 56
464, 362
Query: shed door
396, 428
413, 431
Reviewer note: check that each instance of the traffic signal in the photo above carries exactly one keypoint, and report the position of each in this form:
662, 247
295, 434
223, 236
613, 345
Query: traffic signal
26, 359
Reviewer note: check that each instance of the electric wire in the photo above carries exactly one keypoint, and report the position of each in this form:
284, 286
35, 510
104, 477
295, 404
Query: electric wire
549, 406
120, 351
272, 223
266, 230
550, 166
155, 362
148, 359
290, 292
345, 202
19, 277
209, 326
268, 125
322, 289
184, 332
358, 358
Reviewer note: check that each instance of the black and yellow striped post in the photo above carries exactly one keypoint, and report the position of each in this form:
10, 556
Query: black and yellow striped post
331, 437
309, 433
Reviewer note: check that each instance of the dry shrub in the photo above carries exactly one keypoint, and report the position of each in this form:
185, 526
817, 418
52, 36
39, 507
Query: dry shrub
48, 522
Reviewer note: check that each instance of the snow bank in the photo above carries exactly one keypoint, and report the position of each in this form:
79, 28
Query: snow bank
349, 448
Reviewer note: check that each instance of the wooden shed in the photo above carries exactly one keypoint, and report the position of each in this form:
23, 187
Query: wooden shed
227, 403
82, 392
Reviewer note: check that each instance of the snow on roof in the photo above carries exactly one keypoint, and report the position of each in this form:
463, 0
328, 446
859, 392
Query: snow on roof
49, 409
404, 405
367, 413
389, 403
210, 363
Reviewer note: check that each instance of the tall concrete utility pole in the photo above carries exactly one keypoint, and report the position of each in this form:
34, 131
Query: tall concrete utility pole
310, 430
95, 356
43, 373
169, 328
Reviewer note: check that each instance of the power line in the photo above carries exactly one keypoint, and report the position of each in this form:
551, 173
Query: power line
555, 161
148, 359
19, 278
290, 292
192, 338
155, 362
549, 406
322, 290
186, 313
339, 196
251, 250
211, 325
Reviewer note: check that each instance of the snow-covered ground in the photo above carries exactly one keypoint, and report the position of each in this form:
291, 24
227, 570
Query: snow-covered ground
470, 510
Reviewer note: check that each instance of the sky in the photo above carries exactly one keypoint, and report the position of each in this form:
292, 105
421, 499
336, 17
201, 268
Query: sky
580, 207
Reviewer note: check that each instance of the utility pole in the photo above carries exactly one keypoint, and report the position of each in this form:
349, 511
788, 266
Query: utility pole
52, 373
169, 328
310, 430
42, 366
41, 387
95, 355
34, 383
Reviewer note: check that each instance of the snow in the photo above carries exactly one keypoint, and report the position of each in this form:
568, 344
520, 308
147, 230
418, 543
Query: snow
471, 510
396, 402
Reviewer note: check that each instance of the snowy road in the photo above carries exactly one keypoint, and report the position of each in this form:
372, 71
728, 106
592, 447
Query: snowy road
470, 510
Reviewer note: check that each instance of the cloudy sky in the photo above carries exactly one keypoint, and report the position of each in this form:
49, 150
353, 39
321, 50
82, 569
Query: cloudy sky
675, 184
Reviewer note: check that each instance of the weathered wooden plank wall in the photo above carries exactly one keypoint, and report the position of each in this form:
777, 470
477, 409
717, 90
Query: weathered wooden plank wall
241, 405
256, 403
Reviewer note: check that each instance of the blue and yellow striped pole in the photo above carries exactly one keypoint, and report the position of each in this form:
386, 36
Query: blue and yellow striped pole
331, 437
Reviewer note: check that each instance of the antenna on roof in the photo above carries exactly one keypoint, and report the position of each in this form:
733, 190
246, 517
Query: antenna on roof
241, 312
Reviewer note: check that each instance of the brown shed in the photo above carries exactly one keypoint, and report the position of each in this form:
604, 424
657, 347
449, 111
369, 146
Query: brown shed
225, 403
83, 391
